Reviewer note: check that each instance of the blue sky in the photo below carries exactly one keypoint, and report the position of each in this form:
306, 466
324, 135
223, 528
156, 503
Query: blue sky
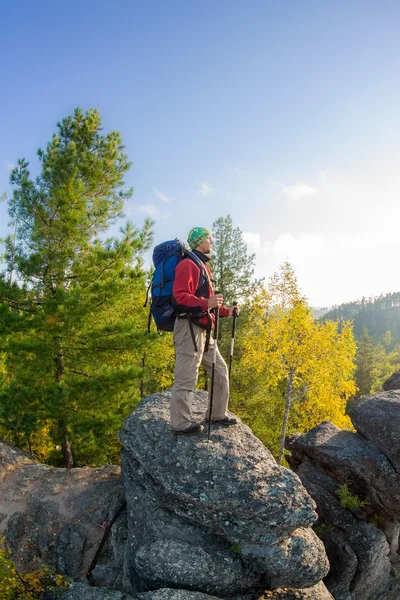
283, 114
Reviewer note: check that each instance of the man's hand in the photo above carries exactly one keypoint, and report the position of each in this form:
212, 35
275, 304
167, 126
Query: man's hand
233, 309
216, 301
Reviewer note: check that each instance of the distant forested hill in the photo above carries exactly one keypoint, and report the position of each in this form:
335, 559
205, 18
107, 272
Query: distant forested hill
378, 315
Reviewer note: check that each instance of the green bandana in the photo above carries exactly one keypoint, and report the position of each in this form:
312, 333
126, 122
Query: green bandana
196, 236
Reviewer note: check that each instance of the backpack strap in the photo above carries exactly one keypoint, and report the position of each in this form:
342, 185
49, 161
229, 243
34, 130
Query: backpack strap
192, 332
199, 263
185, 312
204, 273
147, 296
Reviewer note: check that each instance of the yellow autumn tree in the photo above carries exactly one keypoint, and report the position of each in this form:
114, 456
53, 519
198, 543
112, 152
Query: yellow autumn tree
299, 371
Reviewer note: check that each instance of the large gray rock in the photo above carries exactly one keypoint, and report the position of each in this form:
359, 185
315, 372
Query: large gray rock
54, 515
353, 460
171, 594
78, 591
393, 382
377, 418
357, 551
343, 564
219, 517
11, 457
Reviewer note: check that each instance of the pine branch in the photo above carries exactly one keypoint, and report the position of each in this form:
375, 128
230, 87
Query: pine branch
79, 372
17, 305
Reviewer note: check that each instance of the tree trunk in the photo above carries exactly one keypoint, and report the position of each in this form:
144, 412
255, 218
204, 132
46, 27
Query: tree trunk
62, 426
67, 454
289, 391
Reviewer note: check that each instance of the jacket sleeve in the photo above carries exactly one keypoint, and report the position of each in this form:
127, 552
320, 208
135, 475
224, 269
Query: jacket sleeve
224, 311
187, 277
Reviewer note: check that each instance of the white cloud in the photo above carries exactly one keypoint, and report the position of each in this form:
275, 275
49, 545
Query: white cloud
299, 191
333, 269
253, 240
204, 188
149, 209
161, 196
9, 165
349, 204
290, 246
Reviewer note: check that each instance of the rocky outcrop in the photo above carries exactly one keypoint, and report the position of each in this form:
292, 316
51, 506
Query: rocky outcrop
203, 519
54, 515
392, 383
78, 591
377, 419
354, 460
357, 550
220, 517
360, 523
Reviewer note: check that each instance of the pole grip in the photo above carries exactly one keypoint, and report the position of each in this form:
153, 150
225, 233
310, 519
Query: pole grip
234, 315
216, 323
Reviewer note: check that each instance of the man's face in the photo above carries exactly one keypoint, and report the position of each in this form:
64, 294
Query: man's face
206, 245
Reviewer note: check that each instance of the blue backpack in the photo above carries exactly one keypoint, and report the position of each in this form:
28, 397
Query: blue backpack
165, 258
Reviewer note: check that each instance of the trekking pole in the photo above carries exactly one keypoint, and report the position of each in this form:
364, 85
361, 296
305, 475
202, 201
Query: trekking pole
213, 366
234, 315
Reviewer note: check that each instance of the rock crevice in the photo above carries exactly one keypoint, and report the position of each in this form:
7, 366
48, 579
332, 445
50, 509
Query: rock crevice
354, 479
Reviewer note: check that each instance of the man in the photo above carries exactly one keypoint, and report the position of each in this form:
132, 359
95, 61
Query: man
195, 298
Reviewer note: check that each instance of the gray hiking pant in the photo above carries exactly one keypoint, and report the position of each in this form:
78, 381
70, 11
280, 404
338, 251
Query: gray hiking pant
187, 363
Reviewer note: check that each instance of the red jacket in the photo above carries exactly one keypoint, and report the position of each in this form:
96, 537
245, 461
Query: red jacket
186, 283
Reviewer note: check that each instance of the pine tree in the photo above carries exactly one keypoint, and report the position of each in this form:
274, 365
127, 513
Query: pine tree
232, 266
71, 316
364, 364
233, 272
381, 367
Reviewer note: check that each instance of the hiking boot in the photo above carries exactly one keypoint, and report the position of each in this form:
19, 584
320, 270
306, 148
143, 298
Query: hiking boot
226, 421
193, 429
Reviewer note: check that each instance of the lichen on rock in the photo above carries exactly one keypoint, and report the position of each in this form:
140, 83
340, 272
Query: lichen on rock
196, 500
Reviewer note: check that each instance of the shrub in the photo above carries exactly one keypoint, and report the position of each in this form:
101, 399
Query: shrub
30, 586
348, 500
